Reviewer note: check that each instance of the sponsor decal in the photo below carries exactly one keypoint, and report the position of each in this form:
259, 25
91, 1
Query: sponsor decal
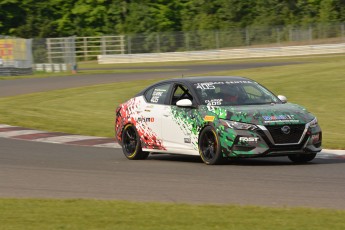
209, 118
237, 82
279, 118
146, 119
214, 102
206, 85
211, 85
187, 140
157, 93
249, 139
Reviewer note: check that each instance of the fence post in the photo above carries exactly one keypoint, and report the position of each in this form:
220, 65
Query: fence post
158, 43
290, 34
49, 50
342, 26
187, 41
122, 43
129, 44
310, 33
247, 36
103, 46
217, 39
85, 48
278, 35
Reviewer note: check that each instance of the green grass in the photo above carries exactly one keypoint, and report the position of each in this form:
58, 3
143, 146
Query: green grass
96, 214
87, 110
318, 85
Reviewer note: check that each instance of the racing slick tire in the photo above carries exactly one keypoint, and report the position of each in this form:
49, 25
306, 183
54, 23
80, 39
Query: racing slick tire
209, 147
302, 158
131, 146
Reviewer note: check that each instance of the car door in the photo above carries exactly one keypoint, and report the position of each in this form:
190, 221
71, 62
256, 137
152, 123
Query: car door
151, 117
176, 125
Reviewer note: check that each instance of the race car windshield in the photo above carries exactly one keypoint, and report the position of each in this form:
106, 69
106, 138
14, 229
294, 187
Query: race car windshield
225, 93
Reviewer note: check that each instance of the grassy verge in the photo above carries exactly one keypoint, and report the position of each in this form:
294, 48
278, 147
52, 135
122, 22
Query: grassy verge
319, 86
95, 214
86, 110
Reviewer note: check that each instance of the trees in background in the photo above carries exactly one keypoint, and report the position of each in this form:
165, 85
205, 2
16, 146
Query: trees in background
57, 18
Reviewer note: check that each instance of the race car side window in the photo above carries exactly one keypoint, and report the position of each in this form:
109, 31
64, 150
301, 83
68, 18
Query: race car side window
157, 94
148, 94
180, 92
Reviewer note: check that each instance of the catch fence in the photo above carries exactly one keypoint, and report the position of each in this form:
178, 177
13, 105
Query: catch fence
70, 50
63, 54
252, 36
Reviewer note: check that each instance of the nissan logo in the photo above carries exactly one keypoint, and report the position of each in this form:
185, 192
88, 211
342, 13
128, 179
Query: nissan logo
286, 129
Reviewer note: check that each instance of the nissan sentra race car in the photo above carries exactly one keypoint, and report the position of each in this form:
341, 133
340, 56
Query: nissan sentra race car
217, 118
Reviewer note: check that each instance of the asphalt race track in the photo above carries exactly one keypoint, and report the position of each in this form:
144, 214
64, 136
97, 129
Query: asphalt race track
30, 169
45, 170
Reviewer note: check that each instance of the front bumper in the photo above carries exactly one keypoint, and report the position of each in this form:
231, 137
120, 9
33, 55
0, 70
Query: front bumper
266, 142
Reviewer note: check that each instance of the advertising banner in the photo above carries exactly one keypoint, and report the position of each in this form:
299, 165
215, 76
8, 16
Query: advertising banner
13, 49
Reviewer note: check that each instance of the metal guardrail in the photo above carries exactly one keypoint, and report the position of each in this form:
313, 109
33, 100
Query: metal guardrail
224, 54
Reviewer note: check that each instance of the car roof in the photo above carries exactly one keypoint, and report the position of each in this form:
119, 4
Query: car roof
205, 79
191, 80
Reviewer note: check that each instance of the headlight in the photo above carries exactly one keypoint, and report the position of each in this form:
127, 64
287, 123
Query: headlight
238, 125
313, 123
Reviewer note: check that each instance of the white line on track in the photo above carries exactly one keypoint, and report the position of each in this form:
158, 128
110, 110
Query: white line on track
109, 145
6, 126
66, 138
19, 132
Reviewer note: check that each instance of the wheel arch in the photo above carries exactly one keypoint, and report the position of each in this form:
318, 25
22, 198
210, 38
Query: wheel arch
119, 134
207, 124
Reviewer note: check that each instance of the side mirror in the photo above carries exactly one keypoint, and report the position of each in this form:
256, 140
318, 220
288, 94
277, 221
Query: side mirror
282, 98
184, 103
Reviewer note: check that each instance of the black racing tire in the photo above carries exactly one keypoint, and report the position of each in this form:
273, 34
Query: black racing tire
209, 147
131, 146
302, 158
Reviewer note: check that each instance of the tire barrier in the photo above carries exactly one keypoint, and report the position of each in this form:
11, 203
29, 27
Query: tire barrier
13, 71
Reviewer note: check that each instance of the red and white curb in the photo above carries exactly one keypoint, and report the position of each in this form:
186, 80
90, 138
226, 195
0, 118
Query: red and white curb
15, 132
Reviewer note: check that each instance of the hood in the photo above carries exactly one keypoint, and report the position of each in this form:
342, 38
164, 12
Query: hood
272, 114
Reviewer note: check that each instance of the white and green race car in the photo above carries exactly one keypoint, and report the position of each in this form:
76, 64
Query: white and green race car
217, 118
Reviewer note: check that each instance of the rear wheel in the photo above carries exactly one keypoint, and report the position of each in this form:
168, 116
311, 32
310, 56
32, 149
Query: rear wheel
209, 146
302, 158
131, 144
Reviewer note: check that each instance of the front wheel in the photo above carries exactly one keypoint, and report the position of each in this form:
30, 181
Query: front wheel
302, 158
131, 144
209, 146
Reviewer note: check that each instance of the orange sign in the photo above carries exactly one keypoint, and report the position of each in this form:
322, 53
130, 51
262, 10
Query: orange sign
6, 49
